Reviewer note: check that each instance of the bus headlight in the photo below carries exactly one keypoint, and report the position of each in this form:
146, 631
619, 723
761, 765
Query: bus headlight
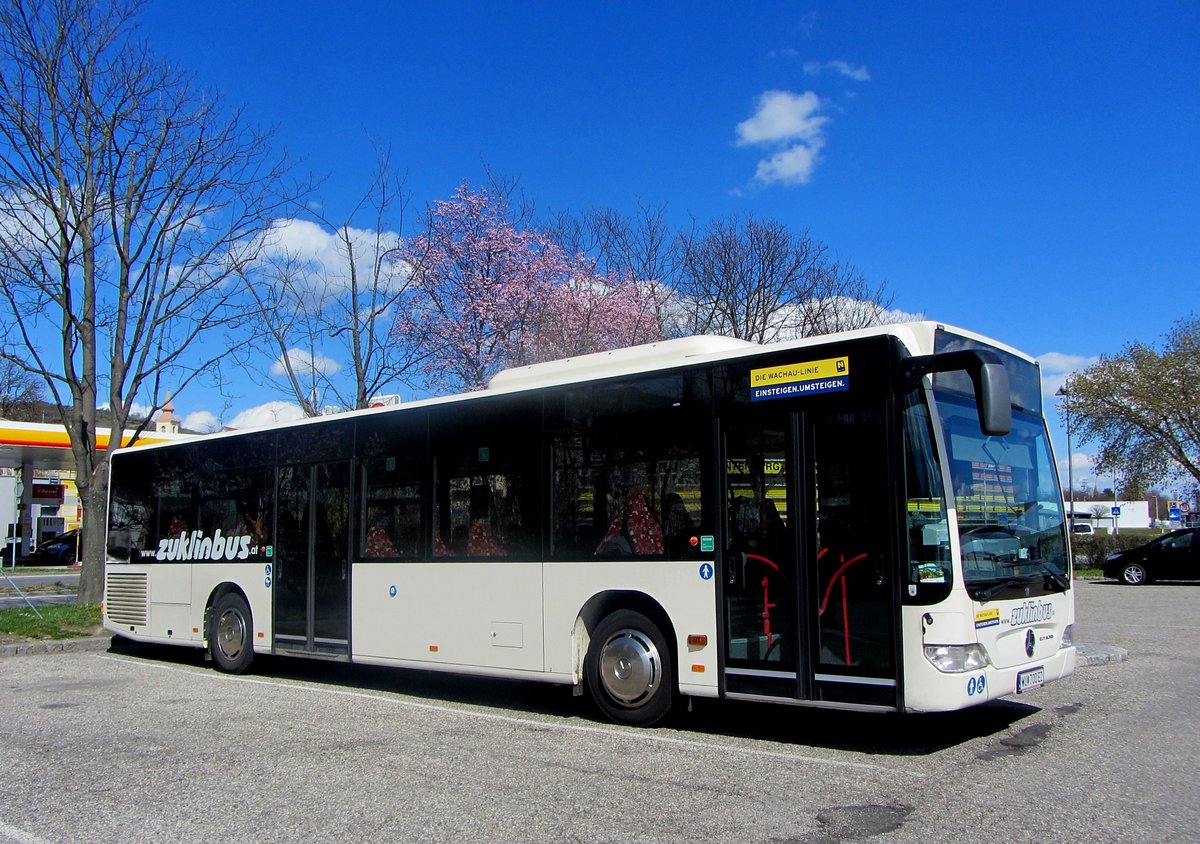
955, 659
1068, 637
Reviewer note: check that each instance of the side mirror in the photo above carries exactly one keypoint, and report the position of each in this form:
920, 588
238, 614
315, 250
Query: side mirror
988, 377
992, 396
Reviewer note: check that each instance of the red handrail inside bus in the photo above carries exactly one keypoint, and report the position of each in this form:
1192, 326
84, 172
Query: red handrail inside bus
767, 605
840, 576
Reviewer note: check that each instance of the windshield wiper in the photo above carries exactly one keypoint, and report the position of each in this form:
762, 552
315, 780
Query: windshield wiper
985, 595
1050, 572
996, 588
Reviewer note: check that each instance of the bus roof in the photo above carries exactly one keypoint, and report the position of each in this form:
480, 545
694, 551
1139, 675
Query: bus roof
616, 362
664, 355
667, 354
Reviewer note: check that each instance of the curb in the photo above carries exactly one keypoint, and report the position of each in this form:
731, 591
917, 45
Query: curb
54, 646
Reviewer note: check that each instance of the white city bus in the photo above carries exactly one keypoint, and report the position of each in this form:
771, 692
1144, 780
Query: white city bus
870, 520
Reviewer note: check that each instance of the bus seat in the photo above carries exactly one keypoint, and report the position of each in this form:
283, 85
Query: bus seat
379, 543
482, 542
645, 533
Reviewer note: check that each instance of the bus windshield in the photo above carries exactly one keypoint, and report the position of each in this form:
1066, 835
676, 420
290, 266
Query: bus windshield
1011, 523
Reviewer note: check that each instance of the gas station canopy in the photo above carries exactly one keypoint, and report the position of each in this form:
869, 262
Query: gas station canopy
42, 446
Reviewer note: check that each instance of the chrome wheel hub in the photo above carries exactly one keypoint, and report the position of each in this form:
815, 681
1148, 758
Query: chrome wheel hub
231, 634
630, 667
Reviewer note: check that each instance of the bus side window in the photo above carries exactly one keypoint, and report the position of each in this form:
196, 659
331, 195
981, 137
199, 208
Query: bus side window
930, 571
391, 509
131, 509
616, 495
482, 515
633, 532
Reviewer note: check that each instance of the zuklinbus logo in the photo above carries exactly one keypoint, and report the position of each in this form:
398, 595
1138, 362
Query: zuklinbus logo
196, 546
1031, 613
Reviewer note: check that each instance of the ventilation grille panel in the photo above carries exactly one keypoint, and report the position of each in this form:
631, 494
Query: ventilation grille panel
125, 597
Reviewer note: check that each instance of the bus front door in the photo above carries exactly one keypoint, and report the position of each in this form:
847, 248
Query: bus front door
312, 558
809, 609
851, 599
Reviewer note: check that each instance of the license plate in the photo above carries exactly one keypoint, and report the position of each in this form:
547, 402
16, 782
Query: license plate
1031, 679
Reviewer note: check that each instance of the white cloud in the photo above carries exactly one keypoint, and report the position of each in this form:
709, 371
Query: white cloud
1059, 362
1058, 366
1082, 467
896, 315
792, 166
790, 127
323, 258
782, 116
305, 364
265, 415
202, 421
302, 238
137, 409
858, 73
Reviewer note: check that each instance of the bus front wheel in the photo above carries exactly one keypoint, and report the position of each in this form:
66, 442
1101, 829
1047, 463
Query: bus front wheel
629, 672
229, 637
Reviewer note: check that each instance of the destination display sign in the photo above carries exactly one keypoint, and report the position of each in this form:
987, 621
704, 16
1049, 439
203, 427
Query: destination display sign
831, 375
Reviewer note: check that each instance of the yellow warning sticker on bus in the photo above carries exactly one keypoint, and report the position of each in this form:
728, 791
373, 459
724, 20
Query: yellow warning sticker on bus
987, 618
797, 379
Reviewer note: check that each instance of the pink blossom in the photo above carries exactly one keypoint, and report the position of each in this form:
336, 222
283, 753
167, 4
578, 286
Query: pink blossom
487, 295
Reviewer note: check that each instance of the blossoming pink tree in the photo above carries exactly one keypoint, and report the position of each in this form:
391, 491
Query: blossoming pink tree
593, 313
486, 295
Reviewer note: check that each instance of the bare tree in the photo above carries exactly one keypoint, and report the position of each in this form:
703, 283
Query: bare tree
842, 300
128, 197
745, 277
20, 390
327, 305
642, 248
759, 280
290, 312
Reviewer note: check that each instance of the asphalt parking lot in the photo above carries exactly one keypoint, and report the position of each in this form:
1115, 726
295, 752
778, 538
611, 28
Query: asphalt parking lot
149, 744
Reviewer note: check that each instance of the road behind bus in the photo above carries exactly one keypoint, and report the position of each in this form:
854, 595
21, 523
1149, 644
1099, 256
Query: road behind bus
148, 744
39, 586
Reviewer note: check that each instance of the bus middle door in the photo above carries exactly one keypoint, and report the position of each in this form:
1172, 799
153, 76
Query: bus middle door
312, 558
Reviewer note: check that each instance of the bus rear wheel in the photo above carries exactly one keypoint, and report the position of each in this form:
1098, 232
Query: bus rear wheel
629, 671
229, 636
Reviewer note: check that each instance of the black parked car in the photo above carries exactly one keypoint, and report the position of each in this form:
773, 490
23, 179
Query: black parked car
59, 551
1172, 556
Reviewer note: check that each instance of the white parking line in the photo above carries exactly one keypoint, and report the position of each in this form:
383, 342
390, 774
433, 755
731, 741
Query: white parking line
636, 735
12, 833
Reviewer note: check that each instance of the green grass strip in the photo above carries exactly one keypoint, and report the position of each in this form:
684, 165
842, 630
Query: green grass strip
59, 621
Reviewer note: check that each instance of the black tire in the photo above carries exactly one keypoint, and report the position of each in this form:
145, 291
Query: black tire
629, 671
230, 634
1133, 574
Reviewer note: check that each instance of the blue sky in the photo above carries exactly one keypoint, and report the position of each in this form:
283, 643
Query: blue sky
1027, 170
